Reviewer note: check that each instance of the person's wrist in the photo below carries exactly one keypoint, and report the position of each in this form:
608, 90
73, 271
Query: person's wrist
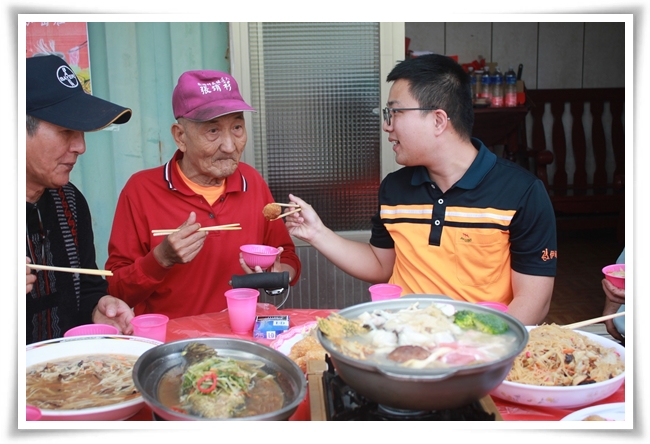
160, 257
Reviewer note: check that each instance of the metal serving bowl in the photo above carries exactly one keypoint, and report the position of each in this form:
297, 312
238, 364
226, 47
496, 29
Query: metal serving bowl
423, 389
152, 365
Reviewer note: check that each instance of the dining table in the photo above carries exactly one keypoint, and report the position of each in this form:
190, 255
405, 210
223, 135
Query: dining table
210, 325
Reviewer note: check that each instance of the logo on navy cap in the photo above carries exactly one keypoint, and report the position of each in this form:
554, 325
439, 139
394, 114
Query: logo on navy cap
67, 77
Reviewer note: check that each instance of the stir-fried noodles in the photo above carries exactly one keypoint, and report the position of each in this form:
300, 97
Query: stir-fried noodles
81, 382
556, 356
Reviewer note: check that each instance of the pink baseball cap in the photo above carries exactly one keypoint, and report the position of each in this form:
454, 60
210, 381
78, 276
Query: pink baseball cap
204, 95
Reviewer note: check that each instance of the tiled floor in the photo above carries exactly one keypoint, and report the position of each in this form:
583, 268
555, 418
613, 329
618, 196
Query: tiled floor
578, 293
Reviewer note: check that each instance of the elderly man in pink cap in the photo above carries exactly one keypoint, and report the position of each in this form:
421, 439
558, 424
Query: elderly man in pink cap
204, 184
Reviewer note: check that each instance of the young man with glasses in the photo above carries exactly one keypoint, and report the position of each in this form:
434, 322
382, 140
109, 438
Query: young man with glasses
456, 219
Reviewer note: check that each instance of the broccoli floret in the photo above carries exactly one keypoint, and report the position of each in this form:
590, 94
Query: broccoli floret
485, 322
464, 319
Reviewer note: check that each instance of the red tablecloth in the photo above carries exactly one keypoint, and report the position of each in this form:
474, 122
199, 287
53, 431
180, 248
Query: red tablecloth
519, 412
217, 325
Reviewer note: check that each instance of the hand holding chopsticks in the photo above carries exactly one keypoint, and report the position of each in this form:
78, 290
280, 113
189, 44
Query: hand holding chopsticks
593, 321
71, 270
165, 232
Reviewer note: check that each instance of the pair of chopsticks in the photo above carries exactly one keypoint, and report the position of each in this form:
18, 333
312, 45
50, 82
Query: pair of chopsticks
215, 228
71, 270
291, 205
593, 321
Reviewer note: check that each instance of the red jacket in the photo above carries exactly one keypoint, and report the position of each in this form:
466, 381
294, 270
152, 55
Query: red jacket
158, 198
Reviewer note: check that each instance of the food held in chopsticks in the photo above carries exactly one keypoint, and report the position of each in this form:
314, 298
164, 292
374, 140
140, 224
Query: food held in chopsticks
273, 211
556, 356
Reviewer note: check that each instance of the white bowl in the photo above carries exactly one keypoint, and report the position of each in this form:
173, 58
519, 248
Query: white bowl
564, 397
44, 351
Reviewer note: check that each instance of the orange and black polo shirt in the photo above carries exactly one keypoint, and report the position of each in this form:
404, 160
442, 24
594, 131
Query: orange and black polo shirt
464, 242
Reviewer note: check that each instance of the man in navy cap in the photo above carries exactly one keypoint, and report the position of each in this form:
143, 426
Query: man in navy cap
59, 230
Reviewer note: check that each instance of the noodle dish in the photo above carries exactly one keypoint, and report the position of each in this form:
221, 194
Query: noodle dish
85, 378
564, 368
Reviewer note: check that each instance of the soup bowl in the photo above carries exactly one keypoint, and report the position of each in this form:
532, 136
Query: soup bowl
154, 364
428, 388
78, 346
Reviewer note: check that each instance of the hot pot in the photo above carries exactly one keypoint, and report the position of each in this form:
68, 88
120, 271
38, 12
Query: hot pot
423, 389
153, 364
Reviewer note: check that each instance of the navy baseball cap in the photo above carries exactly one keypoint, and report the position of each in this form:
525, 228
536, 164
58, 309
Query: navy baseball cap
55, 95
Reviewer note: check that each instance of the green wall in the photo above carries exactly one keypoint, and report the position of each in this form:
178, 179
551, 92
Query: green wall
137, 65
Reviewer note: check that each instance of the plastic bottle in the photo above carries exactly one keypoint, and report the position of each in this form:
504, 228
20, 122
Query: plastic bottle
473, 83
486, 90
510, 88
497, 89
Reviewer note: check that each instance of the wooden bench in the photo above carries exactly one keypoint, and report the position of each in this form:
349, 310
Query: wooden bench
582, 199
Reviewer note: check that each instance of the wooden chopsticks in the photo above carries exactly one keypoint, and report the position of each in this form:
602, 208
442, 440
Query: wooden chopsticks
593, 321
290, 205
71, 270
288, 212
215, 228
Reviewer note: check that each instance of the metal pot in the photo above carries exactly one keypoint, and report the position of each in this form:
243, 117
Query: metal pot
153, 364
423, 389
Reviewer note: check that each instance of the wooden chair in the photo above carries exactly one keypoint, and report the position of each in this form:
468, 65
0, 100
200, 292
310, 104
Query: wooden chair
587, 200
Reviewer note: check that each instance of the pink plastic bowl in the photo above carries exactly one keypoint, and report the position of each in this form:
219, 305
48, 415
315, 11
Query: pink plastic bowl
383, 292
261, 255
610, 272
33, 413
92, 329
496, 305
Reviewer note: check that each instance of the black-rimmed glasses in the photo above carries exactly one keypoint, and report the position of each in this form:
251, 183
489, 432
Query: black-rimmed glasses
388, 112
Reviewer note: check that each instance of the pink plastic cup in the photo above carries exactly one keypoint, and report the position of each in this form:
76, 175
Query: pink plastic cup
152, 326
92, 329
615, 274
382, 292
242, 306
496, 305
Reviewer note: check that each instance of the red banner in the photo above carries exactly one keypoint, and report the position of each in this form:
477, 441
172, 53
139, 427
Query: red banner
66, 40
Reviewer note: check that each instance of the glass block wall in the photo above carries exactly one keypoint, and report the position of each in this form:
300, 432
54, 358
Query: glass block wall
317, 131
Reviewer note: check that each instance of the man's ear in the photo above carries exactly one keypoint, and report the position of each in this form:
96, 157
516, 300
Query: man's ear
178, 133
440, 121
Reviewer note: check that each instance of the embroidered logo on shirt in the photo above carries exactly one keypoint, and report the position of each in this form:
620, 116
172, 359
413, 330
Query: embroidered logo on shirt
465, 237
548, 255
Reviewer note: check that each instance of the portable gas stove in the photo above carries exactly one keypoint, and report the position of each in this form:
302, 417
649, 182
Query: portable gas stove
331, 399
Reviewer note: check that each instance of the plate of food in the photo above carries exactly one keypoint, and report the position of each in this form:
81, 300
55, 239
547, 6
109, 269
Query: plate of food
602, 412
564, 369
300, 344
94, 372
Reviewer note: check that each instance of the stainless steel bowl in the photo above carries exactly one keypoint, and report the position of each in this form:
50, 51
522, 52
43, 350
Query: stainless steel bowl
423, 389
153, 364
